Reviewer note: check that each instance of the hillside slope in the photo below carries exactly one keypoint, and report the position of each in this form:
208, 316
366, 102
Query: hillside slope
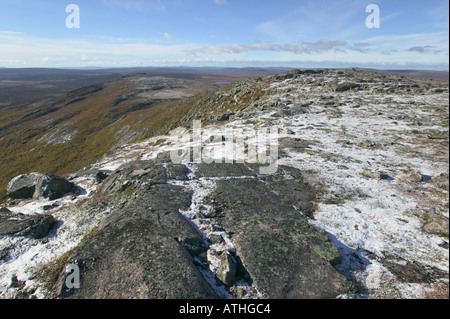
63, 134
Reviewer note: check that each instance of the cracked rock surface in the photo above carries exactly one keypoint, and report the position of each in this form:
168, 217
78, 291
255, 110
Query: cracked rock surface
146, 248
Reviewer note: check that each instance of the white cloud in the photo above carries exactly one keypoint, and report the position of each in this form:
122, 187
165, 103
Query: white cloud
10, 33
168, 36
424, 49
23, 50
419, 44
220, 2
305, 47
14, 50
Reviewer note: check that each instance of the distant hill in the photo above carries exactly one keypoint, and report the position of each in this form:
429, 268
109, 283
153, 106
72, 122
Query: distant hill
419, 74
21, 87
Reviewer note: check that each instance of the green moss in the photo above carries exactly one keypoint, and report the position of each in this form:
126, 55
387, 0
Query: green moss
90, 234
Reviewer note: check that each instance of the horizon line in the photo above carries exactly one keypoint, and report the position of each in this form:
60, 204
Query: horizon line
228, 67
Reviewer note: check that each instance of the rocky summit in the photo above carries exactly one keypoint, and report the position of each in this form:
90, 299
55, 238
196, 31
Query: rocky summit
356, 205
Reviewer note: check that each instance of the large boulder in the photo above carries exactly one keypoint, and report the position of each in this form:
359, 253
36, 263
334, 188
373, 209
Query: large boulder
36, 185
23, 186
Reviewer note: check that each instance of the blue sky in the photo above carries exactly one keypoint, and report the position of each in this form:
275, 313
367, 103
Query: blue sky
225, 33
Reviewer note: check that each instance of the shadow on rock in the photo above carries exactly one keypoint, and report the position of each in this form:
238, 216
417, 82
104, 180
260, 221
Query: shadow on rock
352, 260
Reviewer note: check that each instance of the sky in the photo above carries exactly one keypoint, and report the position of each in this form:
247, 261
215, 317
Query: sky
412, 34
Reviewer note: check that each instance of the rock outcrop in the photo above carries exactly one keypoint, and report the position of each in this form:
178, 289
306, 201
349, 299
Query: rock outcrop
285, 256
145, 248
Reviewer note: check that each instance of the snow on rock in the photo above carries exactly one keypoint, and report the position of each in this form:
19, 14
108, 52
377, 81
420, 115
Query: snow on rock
23, 257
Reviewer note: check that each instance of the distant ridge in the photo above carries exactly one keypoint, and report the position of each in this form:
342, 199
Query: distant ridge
414, 73
419, 74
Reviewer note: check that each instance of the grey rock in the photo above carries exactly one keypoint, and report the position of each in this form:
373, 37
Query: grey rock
223, 170
23, 186
143, 248
347, 86
290, 132
53, 187
14, 202
36, 226
293, 192
413, 272
284, 255
223, 117
164, 157
4, 210
386, 177
15, 283
37, 185
100, 176
226, 272
444, 244
135, 173
177, 171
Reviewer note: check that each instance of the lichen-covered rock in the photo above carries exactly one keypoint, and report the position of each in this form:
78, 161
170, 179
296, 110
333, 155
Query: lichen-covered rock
285, 256
144, 247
